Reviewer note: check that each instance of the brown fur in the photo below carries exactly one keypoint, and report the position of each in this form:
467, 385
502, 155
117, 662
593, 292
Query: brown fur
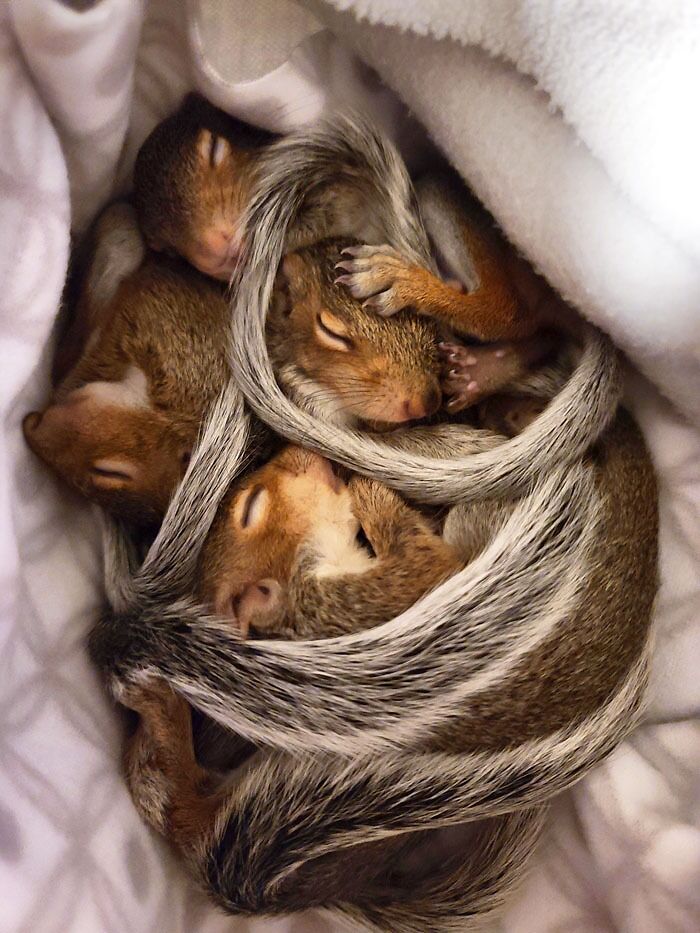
410, 559
180, 197
183, 806
573, 671
376, 370
506, 299
296, 490
168, 322
186, 203
194, 208
302, 505
559, 682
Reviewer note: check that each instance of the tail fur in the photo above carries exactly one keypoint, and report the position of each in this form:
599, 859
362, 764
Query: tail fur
573, 421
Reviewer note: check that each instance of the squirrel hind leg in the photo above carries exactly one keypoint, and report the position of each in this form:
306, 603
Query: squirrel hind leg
471, 373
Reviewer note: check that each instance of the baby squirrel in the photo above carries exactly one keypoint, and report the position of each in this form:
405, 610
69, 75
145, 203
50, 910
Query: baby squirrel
195, 176
150, 336
297, 503
355, 534
146, 354
503, 301
548, 690
192, 181
340, 361
566, 673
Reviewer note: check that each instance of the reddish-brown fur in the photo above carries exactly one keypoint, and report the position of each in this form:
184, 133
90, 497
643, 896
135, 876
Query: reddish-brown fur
167, 323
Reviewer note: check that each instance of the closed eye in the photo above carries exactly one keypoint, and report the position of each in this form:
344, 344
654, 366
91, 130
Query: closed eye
329, 336
112, 469
112, 474
218, 149
363, 541
253, 507
109, 474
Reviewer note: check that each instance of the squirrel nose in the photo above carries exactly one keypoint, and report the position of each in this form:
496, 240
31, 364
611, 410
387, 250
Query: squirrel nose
217, 240
423, 405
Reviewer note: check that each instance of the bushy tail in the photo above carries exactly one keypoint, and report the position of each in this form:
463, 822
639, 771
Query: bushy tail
461, 897
360, 691
574, 419
454, 879
323, 807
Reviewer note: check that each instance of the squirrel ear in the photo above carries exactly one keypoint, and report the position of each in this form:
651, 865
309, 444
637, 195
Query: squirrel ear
290, 284
281, 303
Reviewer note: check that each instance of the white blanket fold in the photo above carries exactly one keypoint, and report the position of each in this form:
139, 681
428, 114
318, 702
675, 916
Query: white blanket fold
575, 122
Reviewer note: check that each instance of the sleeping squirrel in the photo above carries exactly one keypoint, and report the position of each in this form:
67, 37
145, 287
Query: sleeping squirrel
195, 176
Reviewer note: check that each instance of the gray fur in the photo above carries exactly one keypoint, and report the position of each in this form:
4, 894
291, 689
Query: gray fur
443, 219
463, 628
346, 718
572, 422
221, 454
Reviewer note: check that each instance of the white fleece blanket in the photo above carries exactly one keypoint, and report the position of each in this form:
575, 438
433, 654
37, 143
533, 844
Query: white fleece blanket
576, 122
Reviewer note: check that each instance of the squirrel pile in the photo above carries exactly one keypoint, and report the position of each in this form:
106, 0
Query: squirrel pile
381, 554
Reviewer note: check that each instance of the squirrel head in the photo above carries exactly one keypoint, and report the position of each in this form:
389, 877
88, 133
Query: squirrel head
341, 360
295, 499
192, 182
129, 460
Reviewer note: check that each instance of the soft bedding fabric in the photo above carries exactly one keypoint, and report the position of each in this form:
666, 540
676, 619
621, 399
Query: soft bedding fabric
581, 139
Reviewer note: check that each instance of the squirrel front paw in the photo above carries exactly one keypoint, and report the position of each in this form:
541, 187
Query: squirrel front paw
371, 498
385, 517
379, 275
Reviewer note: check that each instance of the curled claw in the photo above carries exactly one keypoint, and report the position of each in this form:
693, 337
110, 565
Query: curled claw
446, 347
455, 403
378, 305
471, 373
372, 272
